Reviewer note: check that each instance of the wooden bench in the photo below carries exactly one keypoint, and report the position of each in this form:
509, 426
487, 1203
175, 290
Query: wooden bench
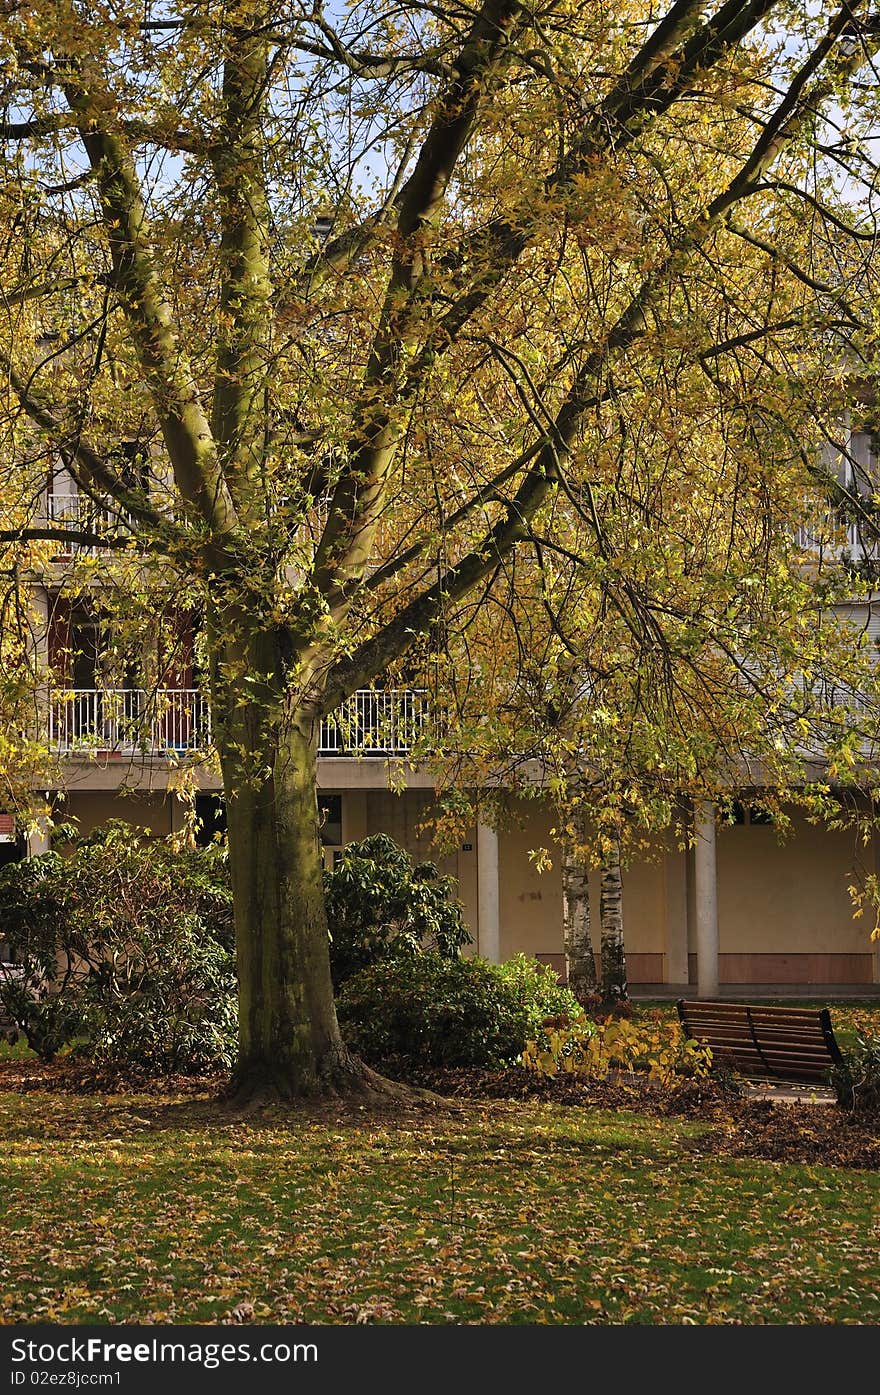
784, 1043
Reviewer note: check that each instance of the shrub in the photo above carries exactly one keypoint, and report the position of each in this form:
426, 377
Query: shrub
592, 1049
857, 1080
41, 990
125, 946
165, 1001
435, 1011
380, 906
538, 991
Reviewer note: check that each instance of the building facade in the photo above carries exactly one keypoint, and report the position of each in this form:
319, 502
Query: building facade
738, 909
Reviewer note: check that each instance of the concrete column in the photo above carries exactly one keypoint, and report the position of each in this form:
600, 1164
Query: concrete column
488, 895
706, 898
38, 840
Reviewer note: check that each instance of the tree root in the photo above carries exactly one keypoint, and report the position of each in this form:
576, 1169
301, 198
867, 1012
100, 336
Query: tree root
341, 1078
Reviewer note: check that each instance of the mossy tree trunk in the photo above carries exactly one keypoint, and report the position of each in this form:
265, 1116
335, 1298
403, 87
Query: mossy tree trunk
289, 1039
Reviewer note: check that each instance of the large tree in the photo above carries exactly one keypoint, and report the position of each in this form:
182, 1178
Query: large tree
356, 289
698, 647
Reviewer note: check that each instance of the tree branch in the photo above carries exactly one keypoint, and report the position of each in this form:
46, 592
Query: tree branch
70, 441
819, 207
375, 653
72, 536
22, 295
360, 63
138, 132
245, 288
185, 428
657, 76
344, 548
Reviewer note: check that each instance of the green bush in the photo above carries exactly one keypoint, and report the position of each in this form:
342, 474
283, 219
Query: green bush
432, 1011
41, 991
124, 947
857, 1080
380, 906
166, 1001
538, 990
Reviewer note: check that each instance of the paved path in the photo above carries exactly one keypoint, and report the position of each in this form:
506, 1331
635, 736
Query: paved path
789, 1093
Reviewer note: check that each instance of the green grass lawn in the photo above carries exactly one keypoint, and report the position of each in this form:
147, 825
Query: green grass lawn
138, 1209
133, 1209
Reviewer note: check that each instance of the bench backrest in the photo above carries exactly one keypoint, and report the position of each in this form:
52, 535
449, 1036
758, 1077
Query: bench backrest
780, 1042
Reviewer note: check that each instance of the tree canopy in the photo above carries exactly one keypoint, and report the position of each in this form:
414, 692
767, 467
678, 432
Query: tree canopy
351, 324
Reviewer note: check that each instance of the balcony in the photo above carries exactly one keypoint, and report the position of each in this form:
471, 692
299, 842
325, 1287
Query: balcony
829, 531
375, 722
129, 721
174, 721
81, 514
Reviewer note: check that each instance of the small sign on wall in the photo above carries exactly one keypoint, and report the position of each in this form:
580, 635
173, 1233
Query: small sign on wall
7, 828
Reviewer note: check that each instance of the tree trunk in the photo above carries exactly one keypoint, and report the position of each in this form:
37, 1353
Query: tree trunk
580, 962
613, 955
289, 1039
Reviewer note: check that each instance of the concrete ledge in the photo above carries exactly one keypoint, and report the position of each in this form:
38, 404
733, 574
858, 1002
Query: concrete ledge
754, 992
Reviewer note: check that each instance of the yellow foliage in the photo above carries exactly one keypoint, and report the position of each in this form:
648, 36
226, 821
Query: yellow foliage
592, 1049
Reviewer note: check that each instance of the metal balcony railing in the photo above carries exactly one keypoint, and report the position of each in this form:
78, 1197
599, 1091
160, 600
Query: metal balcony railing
129, 721
133, 721
831, 531
80, 513
375, 721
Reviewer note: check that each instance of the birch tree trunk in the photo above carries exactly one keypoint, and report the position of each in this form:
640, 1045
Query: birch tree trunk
613, 955
580, 962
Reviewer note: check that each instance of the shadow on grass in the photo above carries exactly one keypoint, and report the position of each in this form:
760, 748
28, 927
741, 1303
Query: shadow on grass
475, 1130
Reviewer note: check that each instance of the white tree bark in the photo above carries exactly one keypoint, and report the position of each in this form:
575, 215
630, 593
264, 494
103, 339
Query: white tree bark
613, 953
580, 963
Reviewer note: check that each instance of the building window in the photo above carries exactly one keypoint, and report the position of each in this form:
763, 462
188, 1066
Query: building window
330, 815
330, 822
736, 812
211, 814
